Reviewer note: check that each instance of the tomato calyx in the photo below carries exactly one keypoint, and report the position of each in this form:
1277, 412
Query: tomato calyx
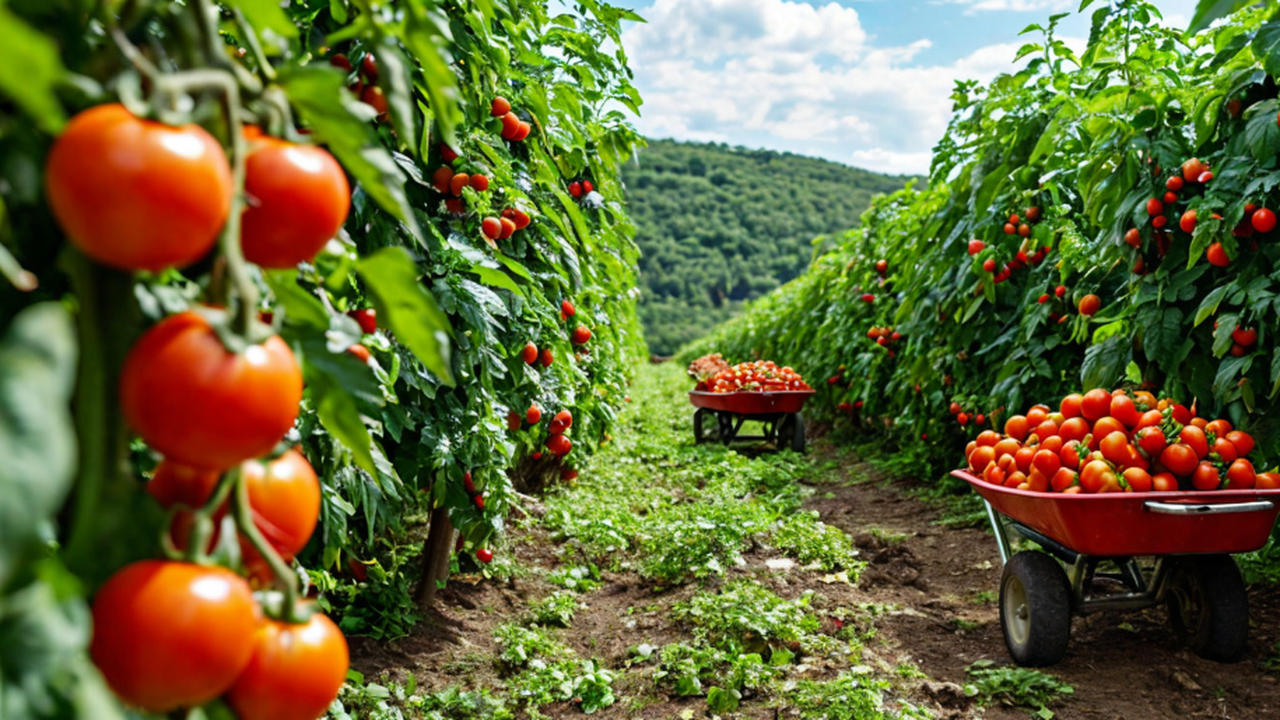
225, 325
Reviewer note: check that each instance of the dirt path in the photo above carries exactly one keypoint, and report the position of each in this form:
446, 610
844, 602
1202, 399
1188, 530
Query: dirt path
930, 589
1122, 665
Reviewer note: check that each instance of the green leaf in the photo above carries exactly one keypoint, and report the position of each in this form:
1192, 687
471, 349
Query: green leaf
300, 306
1266, 47
1209, 10
29, 70
1104, 363
266, 15
338, 413
37, 438
409, 310
341, 123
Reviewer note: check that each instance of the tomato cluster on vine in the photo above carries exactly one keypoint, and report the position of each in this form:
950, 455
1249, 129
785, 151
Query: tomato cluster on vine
214, 393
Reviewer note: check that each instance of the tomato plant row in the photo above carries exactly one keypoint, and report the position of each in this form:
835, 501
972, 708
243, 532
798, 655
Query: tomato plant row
1091, 219
310, 258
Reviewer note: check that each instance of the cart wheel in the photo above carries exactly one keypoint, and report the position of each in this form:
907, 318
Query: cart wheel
1208, 606
791, 432
706, 427
1035, 609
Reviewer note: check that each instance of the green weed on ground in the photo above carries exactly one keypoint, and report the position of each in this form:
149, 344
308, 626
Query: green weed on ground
1017, 687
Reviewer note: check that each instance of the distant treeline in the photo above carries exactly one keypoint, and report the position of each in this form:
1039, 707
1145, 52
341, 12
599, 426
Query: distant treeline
719, 225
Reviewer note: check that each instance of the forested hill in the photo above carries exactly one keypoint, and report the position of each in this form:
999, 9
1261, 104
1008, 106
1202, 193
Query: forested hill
718, 225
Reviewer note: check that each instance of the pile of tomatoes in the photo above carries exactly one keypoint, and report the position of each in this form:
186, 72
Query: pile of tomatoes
215, 400
706, 367
1116, 441
757, 376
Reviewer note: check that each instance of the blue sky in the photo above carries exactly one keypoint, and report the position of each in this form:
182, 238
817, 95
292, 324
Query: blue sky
862, 82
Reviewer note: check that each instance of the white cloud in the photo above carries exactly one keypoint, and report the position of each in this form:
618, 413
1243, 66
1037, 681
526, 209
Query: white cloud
898, 163
977, 6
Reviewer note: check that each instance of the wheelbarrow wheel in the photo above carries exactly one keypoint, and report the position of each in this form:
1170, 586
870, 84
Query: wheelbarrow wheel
1208, 606
1035, 609
706, 427
791, 432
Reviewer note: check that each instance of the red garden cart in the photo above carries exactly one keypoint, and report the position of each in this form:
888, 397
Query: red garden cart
720, 416
1122, 551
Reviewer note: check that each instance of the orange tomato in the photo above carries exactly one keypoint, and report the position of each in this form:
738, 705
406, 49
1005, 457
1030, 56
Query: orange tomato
1037, 415
1150, 418
137, 194
1224, 449
1164, 482
1179, 459
1242, 440
1096, 476
1037, 481
1151, 440
1063, 479
295, 671
1218, 427
1046, 429
1194, 438
1023, 457
1095, 404
1053, 444
1206, 477
1070, 406
1015, 478
1144, 398
1107, 425
1241, 475
988, 437
297, 200
1137, 479
1017, 427
1115, 447
981, 458
1268, 481
1199, 422
1070, 454
1046, 462
1124, 410
994, 474
1074, 428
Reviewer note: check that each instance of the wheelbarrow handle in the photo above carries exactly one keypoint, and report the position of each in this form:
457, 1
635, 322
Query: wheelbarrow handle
1165, 508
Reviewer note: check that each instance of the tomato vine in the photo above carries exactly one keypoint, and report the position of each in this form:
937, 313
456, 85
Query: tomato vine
407, 328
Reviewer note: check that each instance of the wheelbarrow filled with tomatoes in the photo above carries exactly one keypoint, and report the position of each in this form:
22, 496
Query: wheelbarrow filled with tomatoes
727, 397
1133, 502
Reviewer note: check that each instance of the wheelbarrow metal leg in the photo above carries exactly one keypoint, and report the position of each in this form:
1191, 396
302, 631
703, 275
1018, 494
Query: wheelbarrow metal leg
1002, 535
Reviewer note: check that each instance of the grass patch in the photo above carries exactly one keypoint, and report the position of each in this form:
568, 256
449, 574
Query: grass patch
1016, 687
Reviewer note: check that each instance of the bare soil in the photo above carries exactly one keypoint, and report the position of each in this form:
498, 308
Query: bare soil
935, 585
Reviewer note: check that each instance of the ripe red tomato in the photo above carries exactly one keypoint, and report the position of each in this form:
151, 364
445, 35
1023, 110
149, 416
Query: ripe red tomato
459, 182
376, 99
529, 353
1174, 183
1133, 237
1124, 410
1046, 462
1164, 482
989, 265
522, 132
518, 216
547, 357
1137, 479
561, 422
1244, 336
366, 318
1268, 481
1095, 404
199, 404
1194, 438
295, 671
171, 634
501, 106
581, 334
479, 183
559, 445
1151, 440
369, 67
1242, 440
1218, 427
1115, 447
1217, 255
1024, 230
1192, 169
442, 179
1206, 477
1089, 304
1032, 214
1097, 476
1179, 460
297, 200
285, 496
1075, 428
533, 415
508, 228
513, 420
1063, 479
976, 246
1188, 221
491, 228
1017, 427
136, 194
981, 457
1263, 220
510, 125
988, 438
173, 484
1155, 207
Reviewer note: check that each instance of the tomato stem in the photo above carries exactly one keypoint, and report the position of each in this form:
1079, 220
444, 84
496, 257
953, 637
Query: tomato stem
250, 38
19, 277
243, 514
202, 529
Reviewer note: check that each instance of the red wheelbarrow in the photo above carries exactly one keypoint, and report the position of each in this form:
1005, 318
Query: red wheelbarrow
719, 416
1125, 551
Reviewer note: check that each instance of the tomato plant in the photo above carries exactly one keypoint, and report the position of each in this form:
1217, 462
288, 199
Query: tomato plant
232, 222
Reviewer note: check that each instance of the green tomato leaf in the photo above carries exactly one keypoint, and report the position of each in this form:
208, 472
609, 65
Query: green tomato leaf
410, 311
